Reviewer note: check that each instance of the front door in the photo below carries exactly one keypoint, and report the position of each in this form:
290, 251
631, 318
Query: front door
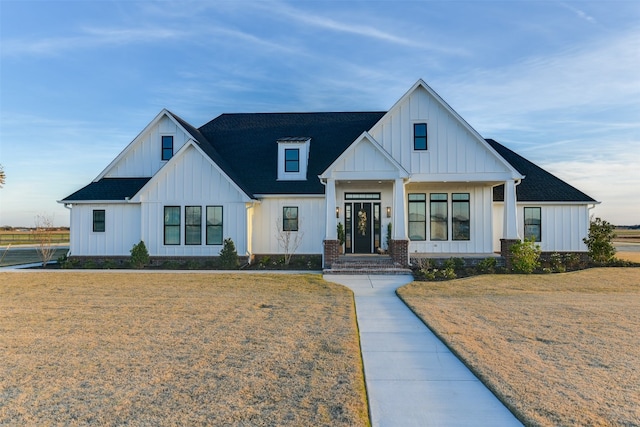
362, 227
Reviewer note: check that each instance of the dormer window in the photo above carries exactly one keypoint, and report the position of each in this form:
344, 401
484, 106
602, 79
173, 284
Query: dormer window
167, 147
293, 158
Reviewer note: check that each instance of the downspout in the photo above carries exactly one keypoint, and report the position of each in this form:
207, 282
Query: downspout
69, 206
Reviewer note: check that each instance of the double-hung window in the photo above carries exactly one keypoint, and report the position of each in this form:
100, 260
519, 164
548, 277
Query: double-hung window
214, 225
419, 136
192, 225
460, 221
98, 220
167, 147
533, 224
439, 216
172, 225
292, 160
290, 218
418, 216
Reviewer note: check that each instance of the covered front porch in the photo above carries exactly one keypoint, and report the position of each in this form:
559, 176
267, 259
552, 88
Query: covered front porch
405, 220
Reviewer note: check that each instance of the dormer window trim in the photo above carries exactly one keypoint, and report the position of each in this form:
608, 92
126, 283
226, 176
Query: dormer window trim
293, 158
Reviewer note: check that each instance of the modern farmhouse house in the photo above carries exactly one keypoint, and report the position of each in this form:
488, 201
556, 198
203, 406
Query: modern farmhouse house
445, 190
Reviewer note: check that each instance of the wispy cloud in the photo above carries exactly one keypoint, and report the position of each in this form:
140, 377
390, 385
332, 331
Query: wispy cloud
86, 38
580, 13
355, 27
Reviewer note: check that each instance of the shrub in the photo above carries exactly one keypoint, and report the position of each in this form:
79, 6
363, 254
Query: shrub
456, 264
525, 256
109, 264
487, 266
341, 234
139, 255
228, 256
601, 233
557, 263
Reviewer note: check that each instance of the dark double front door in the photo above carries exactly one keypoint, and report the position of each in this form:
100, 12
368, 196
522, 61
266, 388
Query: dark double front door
362, 228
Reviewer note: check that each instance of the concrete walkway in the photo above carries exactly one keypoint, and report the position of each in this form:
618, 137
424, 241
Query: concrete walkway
412, 378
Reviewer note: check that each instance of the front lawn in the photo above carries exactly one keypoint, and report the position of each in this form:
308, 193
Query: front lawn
178, 349
559, 349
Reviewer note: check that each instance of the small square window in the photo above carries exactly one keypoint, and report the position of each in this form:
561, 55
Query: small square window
167, 147
99, 221
419, 136
292, 160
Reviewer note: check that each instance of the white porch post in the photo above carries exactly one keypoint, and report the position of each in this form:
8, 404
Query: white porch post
510, 226
399, 228
331, 232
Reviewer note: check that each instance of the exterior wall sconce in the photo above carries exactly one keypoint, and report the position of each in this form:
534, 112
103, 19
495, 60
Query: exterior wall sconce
337, 211
388, 211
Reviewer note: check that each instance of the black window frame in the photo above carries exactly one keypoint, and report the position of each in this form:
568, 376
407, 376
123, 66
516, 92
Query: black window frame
166, 147
417, 200
527, 223
172, 226
99, 224
192, 225
289, 219
459, 230
420, 136
292, 165
435, 200
212, 227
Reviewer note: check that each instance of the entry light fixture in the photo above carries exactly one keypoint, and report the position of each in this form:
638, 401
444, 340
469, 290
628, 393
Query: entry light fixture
337, 211
388, 211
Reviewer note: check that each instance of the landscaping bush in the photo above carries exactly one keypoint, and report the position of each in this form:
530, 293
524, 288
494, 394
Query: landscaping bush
139, 255
487, 266
228, 256
599, 241
525, 256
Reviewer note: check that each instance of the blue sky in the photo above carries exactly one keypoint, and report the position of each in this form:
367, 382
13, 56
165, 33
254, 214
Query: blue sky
557, 82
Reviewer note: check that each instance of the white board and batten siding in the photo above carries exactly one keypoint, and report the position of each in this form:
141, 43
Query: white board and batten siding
563, 226
143, 157
122, 230
454, 151
191, 179
480, 214
268, 213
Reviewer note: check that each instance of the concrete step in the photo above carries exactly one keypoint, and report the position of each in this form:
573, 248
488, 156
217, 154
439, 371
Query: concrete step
368, 264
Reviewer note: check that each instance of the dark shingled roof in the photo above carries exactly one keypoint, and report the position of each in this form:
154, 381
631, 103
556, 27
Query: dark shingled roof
538, 184
249, 144
109, 189
244, 146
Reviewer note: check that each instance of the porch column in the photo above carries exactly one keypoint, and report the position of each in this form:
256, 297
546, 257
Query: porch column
399, 245
510, 226
331, 224
331, 243
399, 228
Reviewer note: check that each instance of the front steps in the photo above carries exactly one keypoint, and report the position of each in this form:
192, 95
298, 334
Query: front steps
365, 264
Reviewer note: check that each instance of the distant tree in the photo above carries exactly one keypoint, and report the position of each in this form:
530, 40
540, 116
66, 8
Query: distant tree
44, 238
3, 177
599, 242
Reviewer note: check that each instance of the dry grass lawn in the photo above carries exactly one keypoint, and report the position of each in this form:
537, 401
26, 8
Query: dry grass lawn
178, 349
560, 349
628, 256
